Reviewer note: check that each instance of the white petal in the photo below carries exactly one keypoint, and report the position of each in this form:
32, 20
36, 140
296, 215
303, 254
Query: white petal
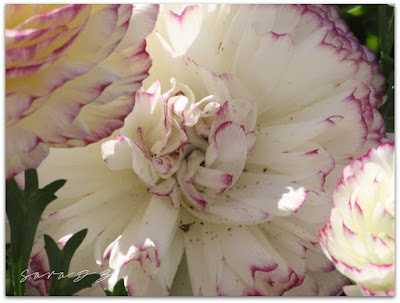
116, 154
228, 150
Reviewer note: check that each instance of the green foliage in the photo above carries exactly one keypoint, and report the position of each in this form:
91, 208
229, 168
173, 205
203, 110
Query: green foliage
24, 209
9, 284
386, 41
59, 260
119, 289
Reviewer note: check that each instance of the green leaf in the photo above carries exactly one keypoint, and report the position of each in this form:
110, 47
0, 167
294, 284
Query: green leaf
59, 260
351, 11
119, 289
386, 41
372, 41
354, 10
387, 109
382, 23
24, 209
9, 284
181, 286
388, 45
386, 29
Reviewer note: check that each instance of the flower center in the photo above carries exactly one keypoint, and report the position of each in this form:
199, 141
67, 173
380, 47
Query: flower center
220, 137
189, 151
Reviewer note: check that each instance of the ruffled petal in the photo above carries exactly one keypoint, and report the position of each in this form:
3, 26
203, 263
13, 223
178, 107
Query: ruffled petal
59, 70
220, 262
116, 152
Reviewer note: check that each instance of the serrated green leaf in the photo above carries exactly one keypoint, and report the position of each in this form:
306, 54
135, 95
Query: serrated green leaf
24, 209
59, 261
67, 286
71, 246
119, 289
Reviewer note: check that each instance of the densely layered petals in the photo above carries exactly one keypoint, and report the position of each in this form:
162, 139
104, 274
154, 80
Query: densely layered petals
359, 236
310, 82
126, 197
263, 259
71, 74
234, 152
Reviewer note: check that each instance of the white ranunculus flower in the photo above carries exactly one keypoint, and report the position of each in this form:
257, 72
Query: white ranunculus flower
360, 235
231, 157
71, 73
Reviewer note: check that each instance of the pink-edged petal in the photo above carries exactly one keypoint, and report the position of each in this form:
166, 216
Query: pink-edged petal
91, 40
333, 119
23, 142
218, 269
95, 122
15, 37
251, 140
308, 286
117, 152
64, 108
382, 246
166, 165
193, 164
212, 178
228, 150
58, 16
283, 198
16, 105
382, 219
17, 163
167, 188
309, 161
77, 125
379, 293
240, 111
155, 130
176, 139
142, 240
139, 284
363, 272
279, 48
162, 284
293, 200
180, 29
132, 65
28, 70
359, 235
352, 291
44, 50
190, 193
141, 23
50, 76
